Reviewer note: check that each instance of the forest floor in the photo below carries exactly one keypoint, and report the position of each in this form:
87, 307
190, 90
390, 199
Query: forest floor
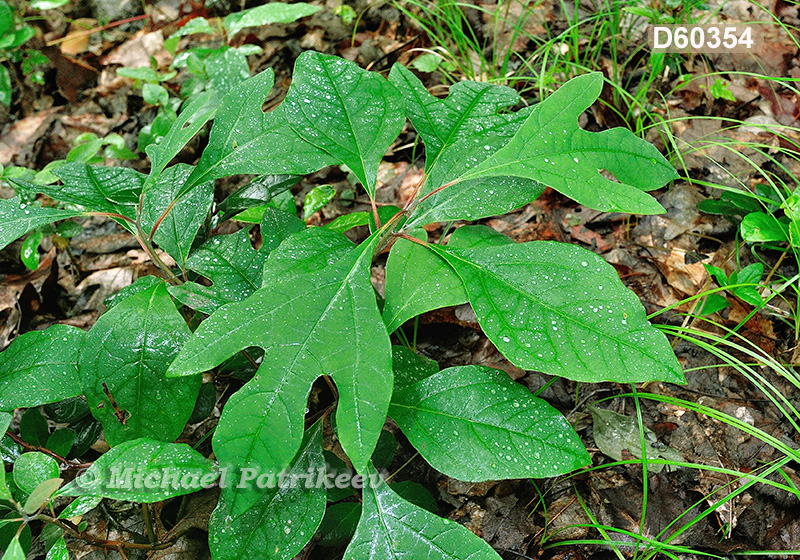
727, 122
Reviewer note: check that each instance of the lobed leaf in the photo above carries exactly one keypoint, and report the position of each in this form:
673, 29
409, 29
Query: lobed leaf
144, 470
391, 527
316, 315
350, 113
244, 139
40, 367
475, 424
283, 520
551, 149
124, 358
19, 218
562, 310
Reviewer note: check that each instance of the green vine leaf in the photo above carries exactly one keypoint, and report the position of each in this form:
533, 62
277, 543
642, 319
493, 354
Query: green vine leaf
391, 527
551, 149
144, 470
352, 114
177, 231
40, 367
124, 358
316, 315
562, 310
283, 520
244, 139
19, 218
233, 266
475, 424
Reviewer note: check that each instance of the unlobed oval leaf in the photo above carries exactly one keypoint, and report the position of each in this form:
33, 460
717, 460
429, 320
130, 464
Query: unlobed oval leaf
144, 470
474, 424
19, 218
562, 310
33, 468
122, 365
40, 367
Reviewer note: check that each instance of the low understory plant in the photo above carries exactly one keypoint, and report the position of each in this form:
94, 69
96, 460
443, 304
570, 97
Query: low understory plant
302, 307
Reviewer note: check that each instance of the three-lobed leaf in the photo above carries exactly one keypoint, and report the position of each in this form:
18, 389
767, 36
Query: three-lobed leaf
475, 424
552, 149
316, 315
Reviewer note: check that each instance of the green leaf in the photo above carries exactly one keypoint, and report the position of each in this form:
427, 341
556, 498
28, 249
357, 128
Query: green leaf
59, 549
14, 550
226, 70
19, 218
562, 310
339, 524
80, 506
5, 421
33, 468
41, 495
460, 132
231, 263
260, 191
391, 527
551, 149
758, 227
155, 94
195, 114
244, 139
276, 225
418, 281
316, 315
61, 441
47, 4
6, 17
475, 424
346, 222
193, 27
177, 231
714, 303
144, 73
33, 427
98, 188
350, 113
316, 199
409, 367
283, 520
274, 12
125, 356
717, 274
144, 470
5, 86
85, 152
29, 252
415, 493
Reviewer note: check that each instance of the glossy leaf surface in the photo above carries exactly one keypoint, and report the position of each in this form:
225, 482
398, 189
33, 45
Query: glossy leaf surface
391, 527
475, 424
274, 12
40, 367
19, 218
124, 359
562, 310
551, 149
283, 520
144, 470
315, 316
350, 113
